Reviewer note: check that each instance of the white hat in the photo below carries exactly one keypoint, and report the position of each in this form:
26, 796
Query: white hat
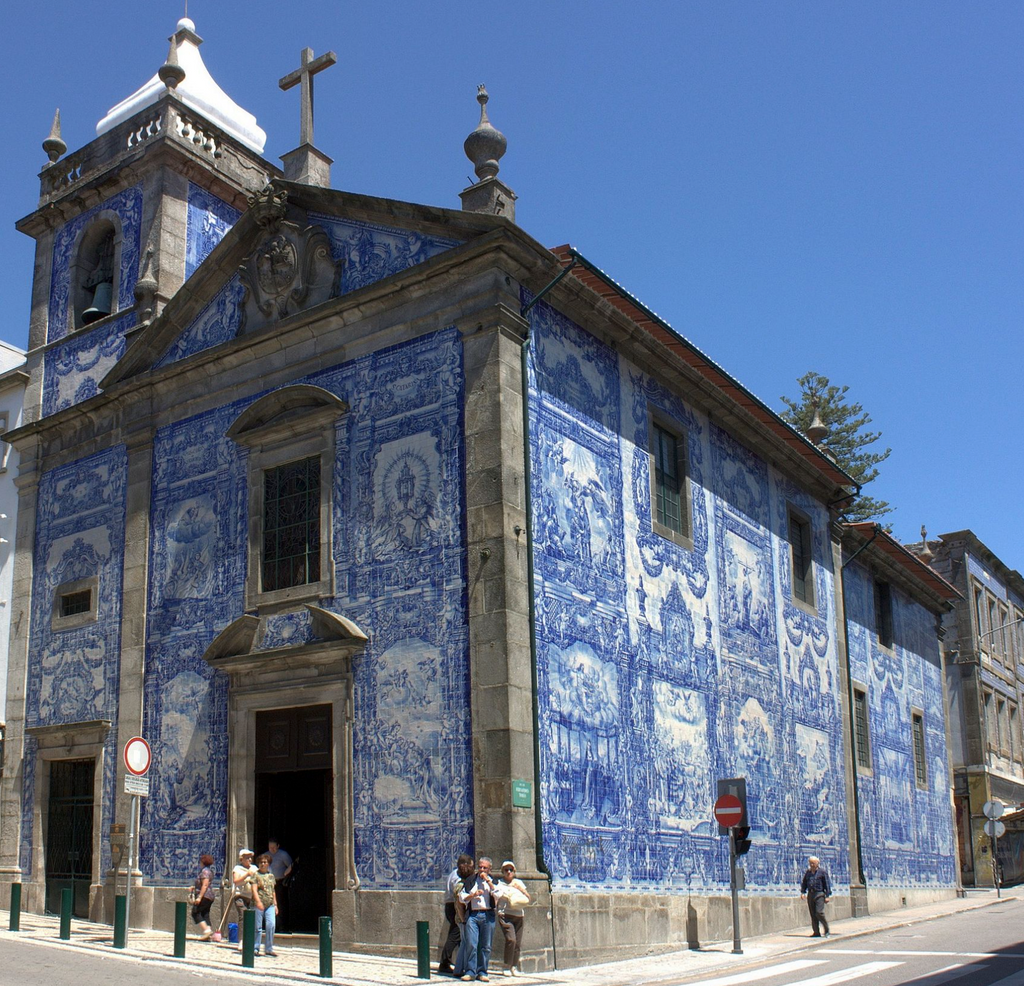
244, 852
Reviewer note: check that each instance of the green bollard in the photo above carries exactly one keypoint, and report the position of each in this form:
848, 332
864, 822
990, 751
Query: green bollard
15, 924
180, 913
65, 913
120, 921
422, 949
248, 938
326, 958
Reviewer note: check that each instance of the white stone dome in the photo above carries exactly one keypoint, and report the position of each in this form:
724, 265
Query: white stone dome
197, 90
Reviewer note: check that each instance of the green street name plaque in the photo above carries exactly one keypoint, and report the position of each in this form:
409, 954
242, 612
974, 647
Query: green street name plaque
522, 794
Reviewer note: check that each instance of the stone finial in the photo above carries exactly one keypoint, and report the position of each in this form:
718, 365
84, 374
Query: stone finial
171, 73
925, 554
145, 289
53, 145
485, 145
816, 430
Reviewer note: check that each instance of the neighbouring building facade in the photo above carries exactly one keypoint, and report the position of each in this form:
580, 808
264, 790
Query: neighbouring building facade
398, 534
984, 646
12, 395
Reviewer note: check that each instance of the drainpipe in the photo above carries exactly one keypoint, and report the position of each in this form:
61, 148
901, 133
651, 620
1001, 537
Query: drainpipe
849, 691
524, 353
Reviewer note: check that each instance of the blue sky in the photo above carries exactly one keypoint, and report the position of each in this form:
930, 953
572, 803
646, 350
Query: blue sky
794, 186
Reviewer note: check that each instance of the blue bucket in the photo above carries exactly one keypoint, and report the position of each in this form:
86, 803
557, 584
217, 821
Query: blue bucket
233, 932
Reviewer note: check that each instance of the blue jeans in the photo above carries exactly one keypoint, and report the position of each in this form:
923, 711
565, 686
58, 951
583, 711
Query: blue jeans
267, 918
477, 933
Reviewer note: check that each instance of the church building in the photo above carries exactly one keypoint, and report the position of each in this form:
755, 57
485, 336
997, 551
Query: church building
398, 534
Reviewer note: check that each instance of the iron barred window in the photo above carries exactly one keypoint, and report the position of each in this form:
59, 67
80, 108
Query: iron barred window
883, 613
802, 558
860, 723
668, 480
73, 603
920, 760
291, 525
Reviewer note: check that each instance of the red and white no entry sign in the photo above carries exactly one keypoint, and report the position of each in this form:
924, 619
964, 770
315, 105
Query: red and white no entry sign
728, 810
137, 756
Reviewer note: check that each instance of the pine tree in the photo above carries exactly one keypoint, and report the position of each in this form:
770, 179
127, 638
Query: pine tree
847, 437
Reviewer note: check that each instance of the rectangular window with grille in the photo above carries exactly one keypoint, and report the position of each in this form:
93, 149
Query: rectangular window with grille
883, 613
860, 725
291, 525
802, 557
670, 512
73, 603
920, 759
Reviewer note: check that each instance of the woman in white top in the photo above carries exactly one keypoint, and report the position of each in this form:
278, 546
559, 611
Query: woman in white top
511, 896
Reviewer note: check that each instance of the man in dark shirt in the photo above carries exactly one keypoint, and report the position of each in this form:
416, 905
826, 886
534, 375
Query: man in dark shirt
816, 890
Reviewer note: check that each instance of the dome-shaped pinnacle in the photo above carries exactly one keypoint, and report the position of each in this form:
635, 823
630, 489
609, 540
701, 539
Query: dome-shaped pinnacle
485, 145
53, 145
171, 73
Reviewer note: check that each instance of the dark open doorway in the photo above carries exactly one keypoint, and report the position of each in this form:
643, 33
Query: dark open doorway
69, 834
295, 804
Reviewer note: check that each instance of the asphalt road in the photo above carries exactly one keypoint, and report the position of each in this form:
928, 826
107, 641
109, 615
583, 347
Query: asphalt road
977, 948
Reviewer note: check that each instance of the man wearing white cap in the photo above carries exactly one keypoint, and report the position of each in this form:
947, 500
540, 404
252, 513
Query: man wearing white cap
243, 878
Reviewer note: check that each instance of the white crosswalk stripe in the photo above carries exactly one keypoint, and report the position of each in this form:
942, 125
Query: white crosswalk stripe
951, 972
799, 965
845, 975
752, 975
921, 951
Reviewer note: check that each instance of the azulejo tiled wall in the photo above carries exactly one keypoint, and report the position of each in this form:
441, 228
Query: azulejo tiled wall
397, 530
73, 673
72, 370
907, 829
207, 219
127, 206
662, 668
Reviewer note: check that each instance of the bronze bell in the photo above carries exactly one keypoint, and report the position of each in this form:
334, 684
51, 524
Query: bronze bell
101, 300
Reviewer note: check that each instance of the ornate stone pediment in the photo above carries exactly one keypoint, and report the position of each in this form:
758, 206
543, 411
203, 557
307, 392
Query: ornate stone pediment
291, 269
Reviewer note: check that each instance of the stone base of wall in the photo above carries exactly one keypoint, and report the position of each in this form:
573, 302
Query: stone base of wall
897, 898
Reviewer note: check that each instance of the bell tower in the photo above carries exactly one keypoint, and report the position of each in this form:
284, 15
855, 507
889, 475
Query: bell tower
125, 220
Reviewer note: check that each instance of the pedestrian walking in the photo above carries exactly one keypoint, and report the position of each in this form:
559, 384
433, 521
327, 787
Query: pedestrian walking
816, 890
201, 897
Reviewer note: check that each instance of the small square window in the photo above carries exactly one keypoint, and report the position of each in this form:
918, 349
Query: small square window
862, 734
802, 556
670, 506
920, 758
73, 603
883, 613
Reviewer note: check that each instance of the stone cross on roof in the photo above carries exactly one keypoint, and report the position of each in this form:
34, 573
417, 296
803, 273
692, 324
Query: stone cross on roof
304, 75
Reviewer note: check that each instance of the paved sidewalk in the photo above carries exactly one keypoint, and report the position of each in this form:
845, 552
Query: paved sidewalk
300, 963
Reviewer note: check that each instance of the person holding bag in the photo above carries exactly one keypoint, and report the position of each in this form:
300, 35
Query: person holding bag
511, 895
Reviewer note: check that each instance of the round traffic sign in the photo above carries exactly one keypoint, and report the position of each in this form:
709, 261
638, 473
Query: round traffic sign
137, 756
992, 809
993, 827
728, 810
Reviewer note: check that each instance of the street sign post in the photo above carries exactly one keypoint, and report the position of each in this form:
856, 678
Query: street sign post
730, 811
137, 759
994, 829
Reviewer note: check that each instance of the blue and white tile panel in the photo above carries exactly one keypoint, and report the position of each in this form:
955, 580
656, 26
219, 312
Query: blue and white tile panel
661, 668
